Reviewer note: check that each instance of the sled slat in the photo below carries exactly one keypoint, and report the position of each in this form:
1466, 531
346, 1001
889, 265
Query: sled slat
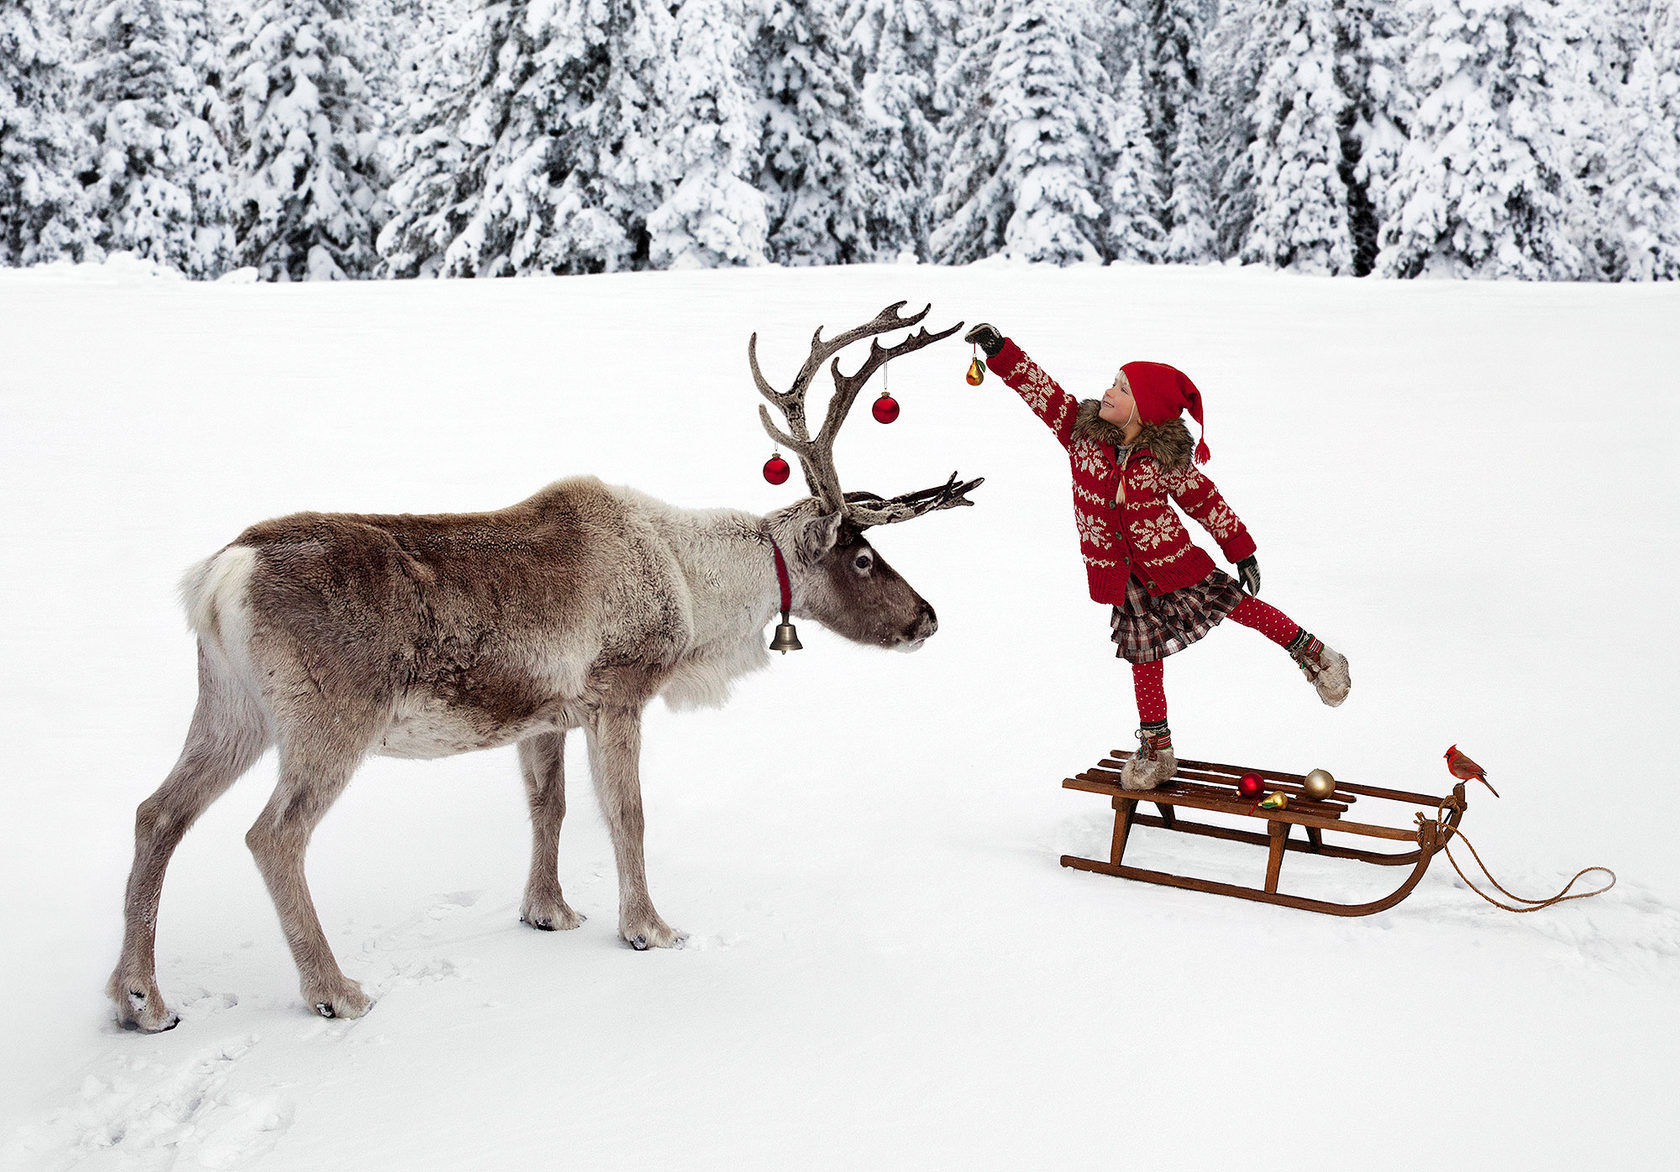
1216, 786
1180, 796
1371, 791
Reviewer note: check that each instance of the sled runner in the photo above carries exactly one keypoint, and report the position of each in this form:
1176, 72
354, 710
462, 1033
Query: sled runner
1208, 786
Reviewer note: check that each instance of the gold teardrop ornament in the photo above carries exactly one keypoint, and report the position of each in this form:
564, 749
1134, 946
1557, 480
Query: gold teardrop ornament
1274, 801
976, 373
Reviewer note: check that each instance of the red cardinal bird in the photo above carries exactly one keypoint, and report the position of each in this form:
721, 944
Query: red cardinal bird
1462, 767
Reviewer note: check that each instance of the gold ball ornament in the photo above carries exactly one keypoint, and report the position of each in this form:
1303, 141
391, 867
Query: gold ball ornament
1319, 784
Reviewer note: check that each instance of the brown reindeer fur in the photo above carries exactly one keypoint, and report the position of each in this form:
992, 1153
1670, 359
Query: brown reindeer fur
333, 636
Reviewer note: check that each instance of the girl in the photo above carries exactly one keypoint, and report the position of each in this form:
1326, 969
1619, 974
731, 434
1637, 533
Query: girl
1129, 454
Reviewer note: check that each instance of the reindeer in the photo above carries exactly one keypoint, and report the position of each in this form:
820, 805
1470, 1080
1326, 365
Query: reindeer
335, 636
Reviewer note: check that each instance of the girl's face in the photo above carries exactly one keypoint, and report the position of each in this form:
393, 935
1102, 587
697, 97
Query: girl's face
1118, 406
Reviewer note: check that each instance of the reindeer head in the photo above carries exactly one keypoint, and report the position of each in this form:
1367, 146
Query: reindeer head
840, 580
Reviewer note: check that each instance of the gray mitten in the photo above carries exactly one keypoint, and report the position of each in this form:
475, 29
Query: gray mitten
986, 337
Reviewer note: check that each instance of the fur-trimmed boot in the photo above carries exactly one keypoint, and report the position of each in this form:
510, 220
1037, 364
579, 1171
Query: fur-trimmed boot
1325, 669
1153, 762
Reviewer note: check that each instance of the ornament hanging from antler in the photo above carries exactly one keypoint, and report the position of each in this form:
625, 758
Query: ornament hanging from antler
816, 453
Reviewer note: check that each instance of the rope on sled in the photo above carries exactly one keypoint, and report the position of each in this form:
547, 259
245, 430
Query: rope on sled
1534, 905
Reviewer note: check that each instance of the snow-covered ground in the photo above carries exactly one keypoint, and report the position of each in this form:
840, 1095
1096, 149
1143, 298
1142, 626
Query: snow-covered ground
1470, 488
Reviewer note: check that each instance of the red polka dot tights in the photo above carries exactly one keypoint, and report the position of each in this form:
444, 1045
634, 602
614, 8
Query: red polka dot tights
1250, 612
1151, 699
1268, 620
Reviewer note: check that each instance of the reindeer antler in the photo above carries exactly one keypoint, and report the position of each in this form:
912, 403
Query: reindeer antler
816, 454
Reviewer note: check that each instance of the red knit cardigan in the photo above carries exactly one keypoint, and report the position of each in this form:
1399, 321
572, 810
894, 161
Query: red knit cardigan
1135, 532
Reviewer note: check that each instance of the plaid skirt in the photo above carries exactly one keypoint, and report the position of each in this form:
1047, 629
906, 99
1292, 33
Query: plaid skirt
1148, 628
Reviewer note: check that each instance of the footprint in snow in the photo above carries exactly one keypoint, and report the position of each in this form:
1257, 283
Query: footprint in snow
133, 1111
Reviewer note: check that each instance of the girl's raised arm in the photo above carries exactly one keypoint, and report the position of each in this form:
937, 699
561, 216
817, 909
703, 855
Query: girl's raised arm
1037, 389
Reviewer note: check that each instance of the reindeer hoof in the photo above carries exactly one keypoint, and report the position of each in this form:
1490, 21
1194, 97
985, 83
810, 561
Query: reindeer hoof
554, 918
169, 1022
544, 924
349, 1001
659, 936
329, 1009
142, 1010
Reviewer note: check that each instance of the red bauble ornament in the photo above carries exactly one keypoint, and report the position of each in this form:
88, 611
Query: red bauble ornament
776, 470
1250, 785
886, 408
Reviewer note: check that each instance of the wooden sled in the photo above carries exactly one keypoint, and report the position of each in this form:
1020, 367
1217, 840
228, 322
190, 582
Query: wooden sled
1206, 785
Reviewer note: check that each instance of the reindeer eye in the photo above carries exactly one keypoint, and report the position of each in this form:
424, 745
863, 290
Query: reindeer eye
863, 562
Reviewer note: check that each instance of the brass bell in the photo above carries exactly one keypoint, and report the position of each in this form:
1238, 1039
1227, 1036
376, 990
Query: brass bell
787, 639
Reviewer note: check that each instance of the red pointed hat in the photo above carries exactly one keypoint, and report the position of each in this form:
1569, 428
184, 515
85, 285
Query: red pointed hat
1162, 392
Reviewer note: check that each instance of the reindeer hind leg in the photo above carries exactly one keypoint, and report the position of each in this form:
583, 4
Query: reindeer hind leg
317, 760
226, 737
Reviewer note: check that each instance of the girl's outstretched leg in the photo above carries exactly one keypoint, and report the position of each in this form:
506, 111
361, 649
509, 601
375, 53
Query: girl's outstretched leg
1153, 762
1325, 669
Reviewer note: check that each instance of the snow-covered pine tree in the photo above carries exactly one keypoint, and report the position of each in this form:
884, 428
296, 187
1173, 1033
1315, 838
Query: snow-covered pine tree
204, 22
1134, 177
1642, 188
306, 191
44, 212
1172, 32
1232, 62
1662, 34
1369, 34
402, 35
953, 29
894, 46
712, 214
1300, 203
1483, 185
405, 40
1189, 207
1025, 167
161, 186
810, 166
537, 146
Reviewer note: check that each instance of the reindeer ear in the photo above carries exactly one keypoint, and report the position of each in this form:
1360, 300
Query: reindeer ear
818, 536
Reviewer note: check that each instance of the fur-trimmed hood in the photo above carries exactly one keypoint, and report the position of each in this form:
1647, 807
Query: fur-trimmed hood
1170, 443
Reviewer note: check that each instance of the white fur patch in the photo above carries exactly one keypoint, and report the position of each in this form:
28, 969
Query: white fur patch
217, 596
704, 680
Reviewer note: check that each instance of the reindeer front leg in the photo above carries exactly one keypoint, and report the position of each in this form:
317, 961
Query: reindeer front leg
542, 760
615, 749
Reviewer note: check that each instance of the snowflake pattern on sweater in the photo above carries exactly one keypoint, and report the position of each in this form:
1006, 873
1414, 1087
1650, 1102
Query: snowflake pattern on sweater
1131, 530
1090, 532
1089, 457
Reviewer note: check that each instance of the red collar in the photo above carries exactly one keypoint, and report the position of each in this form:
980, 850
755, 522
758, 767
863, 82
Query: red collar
782, 579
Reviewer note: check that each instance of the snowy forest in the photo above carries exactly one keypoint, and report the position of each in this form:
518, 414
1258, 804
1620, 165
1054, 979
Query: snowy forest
328, 139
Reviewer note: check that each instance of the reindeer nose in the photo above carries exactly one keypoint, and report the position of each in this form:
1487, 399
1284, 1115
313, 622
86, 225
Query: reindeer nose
928, 623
